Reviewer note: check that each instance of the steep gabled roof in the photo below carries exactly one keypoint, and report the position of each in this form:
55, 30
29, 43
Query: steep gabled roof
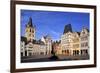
68, 28
38, 42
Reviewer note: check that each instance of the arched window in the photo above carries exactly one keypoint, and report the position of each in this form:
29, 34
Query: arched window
77, 52
30, 29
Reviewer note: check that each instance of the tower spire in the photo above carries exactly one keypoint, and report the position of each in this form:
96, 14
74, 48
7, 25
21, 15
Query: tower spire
30, 30
30, 22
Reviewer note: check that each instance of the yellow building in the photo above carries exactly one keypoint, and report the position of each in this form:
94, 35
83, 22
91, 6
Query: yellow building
76, 43
84, 41
58, 49
30, 31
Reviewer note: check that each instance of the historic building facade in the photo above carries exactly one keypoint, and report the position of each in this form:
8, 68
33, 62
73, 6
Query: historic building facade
84, 41
23, 43
22, 48
67, 40
48, 42
36, 48
57, 47
76, 43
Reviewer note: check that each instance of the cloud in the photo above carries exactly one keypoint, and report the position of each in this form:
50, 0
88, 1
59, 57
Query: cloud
55, 35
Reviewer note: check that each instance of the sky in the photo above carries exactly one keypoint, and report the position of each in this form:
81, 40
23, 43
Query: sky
53, 22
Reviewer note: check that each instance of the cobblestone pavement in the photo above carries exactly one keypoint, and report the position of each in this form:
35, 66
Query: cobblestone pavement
46, 58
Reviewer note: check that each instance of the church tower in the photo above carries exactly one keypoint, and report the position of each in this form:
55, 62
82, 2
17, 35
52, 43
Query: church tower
30, 30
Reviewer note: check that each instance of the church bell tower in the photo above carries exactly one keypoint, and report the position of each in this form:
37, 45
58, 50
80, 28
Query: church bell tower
30, 30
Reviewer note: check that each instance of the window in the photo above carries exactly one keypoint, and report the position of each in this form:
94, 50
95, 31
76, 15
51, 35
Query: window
86, 44
81, 52
77, 52
82, 45
73, 52
22, 45
30, 54
41, 53
67, 51
33, 31
21, 54
77, 45
62, 51
30, 30
86, 51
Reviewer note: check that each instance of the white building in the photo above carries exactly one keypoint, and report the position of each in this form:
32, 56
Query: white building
39, 49
67, 40
48, 42
29, 49
67, 43
22, 48
35, 49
